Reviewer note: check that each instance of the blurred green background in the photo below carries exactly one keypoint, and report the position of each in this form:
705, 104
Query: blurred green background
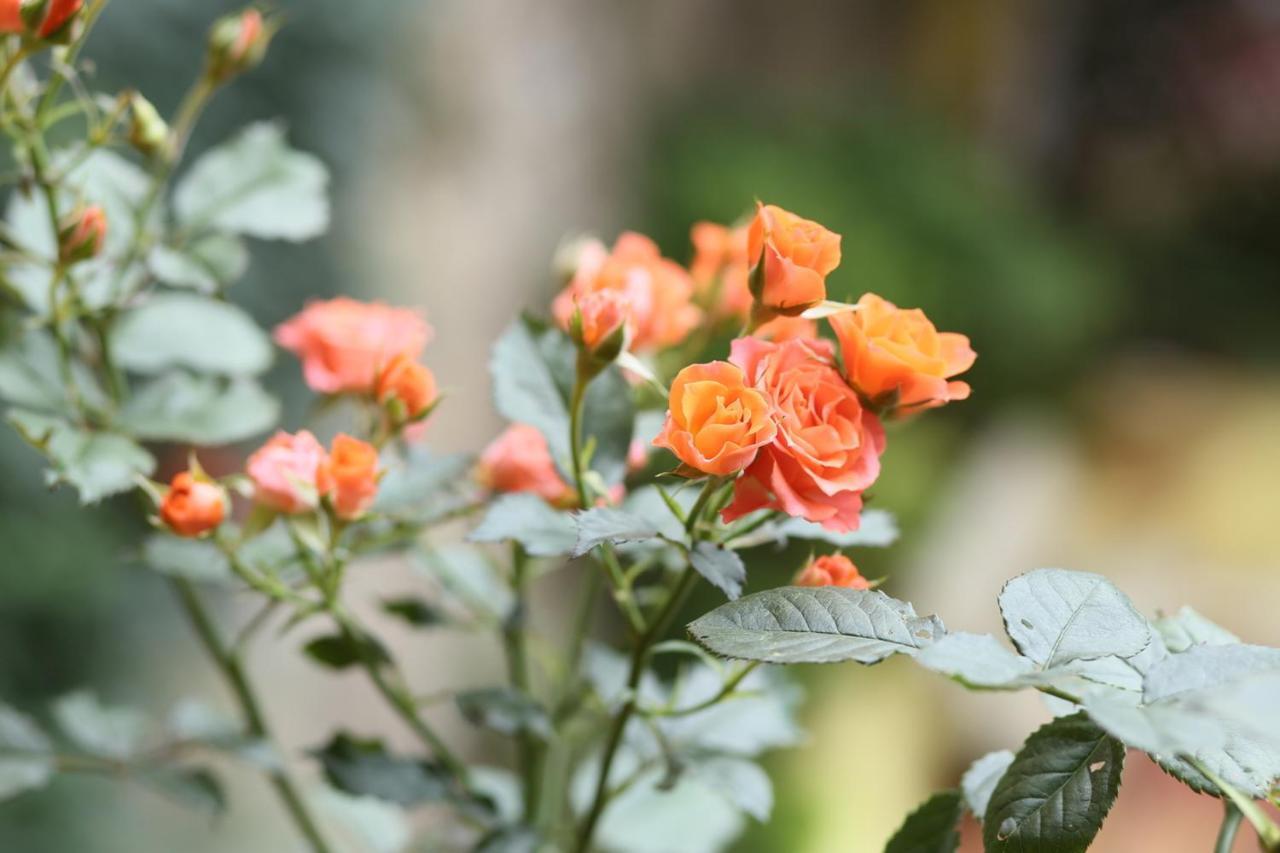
1088, 189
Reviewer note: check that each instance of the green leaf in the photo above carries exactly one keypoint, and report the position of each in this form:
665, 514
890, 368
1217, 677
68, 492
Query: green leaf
977, 660
1056, 793
934, 827
721, 567
529, 520
876, 529
363, 822
110, 732
761, 715
30, 376
336, 651
256, 185
26, 759
504, 710
980, 780
419, 477
208, 265
815, 625
192, 559
364, 767
202, 410
97, 464
191, 787
414, 611
191, 331
1206, 667
468, 576
1054, 616
743, 783
1187, 628
605, 524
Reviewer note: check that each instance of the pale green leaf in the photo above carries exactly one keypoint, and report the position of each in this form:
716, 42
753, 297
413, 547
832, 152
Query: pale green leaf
469, 577
977, 660
528, 519
26, 760
97, 464
981, 779
1055, 616
111, 732
208, 265
743, 783
606, 524
1187, 628
722, 568
365, 823
192, 331
364, 767
192, 559
505, 710
201, 410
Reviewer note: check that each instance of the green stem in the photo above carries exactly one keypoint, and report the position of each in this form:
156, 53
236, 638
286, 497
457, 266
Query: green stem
725, 692
1231, 818
575, 435
513, 636
233, 672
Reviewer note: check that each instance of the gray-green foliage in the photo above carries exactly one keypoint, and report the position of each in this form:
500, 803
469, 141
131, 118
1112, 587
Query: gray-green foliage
931, 828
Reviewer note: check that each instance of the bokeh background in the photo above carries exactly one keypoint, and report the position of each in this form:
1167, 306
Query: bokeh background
1088, 188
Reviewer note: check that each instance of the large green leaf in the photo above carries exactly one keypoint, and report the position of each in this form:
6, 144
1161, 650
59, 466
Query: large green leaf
932, 828
417, 479
1056, 793
255, 184
364, 767
606, 524
815, 625
980, 780
204, 410
30, 376
743, 783
1055, 616
208, 265
26, 756
527, 519
721, 567
192, 331
98, 464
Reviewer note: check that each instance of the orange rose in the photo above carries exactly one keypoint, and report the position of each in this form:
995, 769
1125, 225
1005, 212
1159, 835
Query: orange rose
520, 461
192, 507
832, 570
781, 329
720, 268
349, 476
601, 315
715, 423
827, 447
796, 254
411, 383
896, 357
344, 343
655, 291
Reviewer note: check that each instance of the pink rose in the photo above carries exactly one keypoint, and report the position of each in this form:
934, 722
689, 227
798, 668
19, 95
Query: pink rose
344, 344
520, 461
284, 472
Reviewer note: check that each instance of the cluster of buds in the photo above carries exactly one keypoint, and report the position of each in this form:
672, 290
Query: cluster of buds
237, 43
41, 20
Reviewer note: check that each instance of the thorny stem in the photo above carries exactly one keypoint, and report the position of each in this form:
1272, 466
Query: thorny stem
232, 669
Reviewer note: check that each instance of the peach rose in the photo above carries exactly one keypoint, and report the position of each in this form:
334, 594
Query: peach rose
720, 268
715, 422
192, 506
348, 477
797, 256
896, 357
781, 329
284, 472
82, 233
832, 570
655, 291
520, 461
344, 343
601, 314
411, 383
827, 447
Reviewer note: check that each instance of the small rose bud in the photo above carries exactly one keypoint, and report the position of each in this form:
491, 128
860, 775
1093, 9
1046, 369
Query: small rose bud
410, 384
148, 132
193, 506
237, 43
349, 476
832, 570
46, 20
81, 234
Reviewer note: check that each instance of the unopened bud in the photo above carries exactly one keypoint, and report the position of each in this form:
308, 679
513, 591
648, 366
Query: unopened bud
148, 132
81, 234
237, 43
45, 20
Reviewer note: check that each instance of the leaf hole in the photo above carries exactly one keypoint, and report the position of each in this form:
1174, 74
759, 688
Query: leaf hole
1026, 623
1096, 766
1007, 827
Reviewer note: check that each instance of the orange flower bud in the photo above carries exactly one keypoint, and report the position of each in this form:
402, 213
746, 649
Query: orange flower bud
832, 570
520, 461
792, 258
349, 477
81, 234
599, 324
715, 423
897, 360
237, 43
192, 506
411, 383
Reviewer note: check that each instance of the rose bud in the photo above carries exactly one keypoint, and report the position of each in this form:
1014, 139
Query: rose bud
148, 132
81, 234
349, 477
237, 43
48, 20
792, 258
897, 360
715, 423
284, 472
599, 325
193, 506
410, 384
832, 570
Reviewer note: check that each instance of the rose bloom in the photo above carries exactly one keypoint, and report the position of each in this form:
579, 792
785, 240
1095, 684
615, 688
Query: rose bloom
284, 472
832, 570
409, 382
349, 476
602, 313
797, 255
657, 292
344, 343
520, 461
720, 268
783, 328
827, 447
893, 353
715, 422
192, 507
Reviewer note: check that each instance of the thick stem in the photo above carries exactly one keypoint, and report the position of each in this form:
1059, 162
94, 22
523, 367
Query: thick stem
1231, 818
233, 672
513, 637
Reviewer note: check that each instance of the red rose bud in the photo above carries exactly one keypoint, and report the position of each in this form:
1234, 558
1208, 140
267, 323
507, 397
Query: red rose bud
81, 234
148, 132
193, 506
237, 43
47, 20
